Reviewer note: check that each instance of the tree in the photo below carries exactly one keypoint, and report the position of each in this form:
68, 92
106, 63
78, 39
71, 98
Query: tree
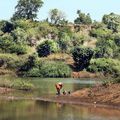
83, 18
64, 42
8, 45
82, 57
105, 48
27, 9
46, 48
112, 21
56, 16
6, 26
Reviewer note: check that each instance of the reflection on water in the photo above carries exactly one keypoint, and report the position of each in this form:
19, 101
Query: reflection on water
38, 110
46, 86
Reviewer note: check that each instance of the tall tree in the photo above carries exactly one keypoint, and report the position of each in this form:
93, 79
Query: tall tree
27, 9
83, 18
56, 16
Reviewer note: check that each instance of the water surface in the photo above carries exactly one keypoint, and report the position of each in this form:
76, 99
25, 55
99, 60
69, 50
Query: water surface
39, 110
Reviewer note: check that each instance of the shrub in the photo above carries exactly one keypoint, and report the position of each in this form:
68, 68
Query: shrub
117, 80
56, 69
105, 48
11, 61
24, 24
45, 29
100, 32
106, 66
19, 36
8, 45
30, 63
47, 47
117, 39
82, 57
79, 39
6, 26
22, 85
50, 69
17, 84
64, 42
112, 21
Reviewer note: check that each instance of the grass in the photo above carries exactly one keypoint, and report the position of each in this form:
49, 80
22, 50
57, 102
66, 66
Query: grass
16, 84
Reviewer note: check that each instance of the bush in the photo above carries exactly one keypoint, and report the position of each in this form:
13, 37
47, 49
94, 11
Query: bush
11, 61
22, 85
50, 69
8, 45
46, 30
29, 64
105, 48
17, 84
64, 42
106, 66
79, 39
82, 57
112, 21
117, 39
47, 47
6, 26
100, 32
19, 36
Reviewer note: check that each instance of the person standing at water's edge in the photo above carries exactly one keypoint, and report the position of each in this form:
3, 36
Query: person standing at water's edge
58, 87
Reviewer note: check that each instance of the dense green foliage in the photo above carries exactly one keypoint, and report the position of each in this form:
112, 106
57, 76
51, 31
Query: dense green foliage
82, 57
29, 63
106, 66
47, 31
27, 9
11, 61
47, 47
24, 41
112, 21
82, 18
57, 16
6, 26
49, 69
17, 84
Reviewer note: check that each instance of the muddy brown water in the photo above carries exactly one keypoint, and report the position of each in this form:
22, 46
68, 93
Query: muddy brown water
40, 110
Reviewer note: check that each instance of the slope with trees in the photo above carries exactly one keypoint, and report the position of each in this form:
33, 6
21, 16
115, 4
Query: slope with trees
26, 38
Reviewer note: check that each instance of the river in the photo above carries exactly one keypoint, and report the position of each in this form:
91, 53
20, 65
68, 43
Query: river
39, 110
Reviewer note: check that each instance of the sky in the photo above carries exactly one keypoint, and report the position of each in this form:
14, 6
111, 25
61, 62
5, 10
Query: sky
96, 8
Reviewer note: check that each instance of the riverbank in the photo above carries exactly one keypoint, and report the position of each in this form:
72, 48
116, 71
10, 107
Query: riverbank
107, 96
101, 96
4, 90
98, 96
81, 74
85, 74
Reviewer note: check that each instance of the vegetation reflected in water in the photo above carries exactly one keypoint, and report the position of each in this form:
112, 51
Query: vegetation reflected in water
38, 110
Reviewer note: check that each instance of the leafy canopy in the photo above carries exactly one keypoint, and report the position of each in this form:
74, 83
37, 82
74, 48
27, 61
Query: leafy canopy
83, 18
112, 21
57, 16
82, 57
27, 9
